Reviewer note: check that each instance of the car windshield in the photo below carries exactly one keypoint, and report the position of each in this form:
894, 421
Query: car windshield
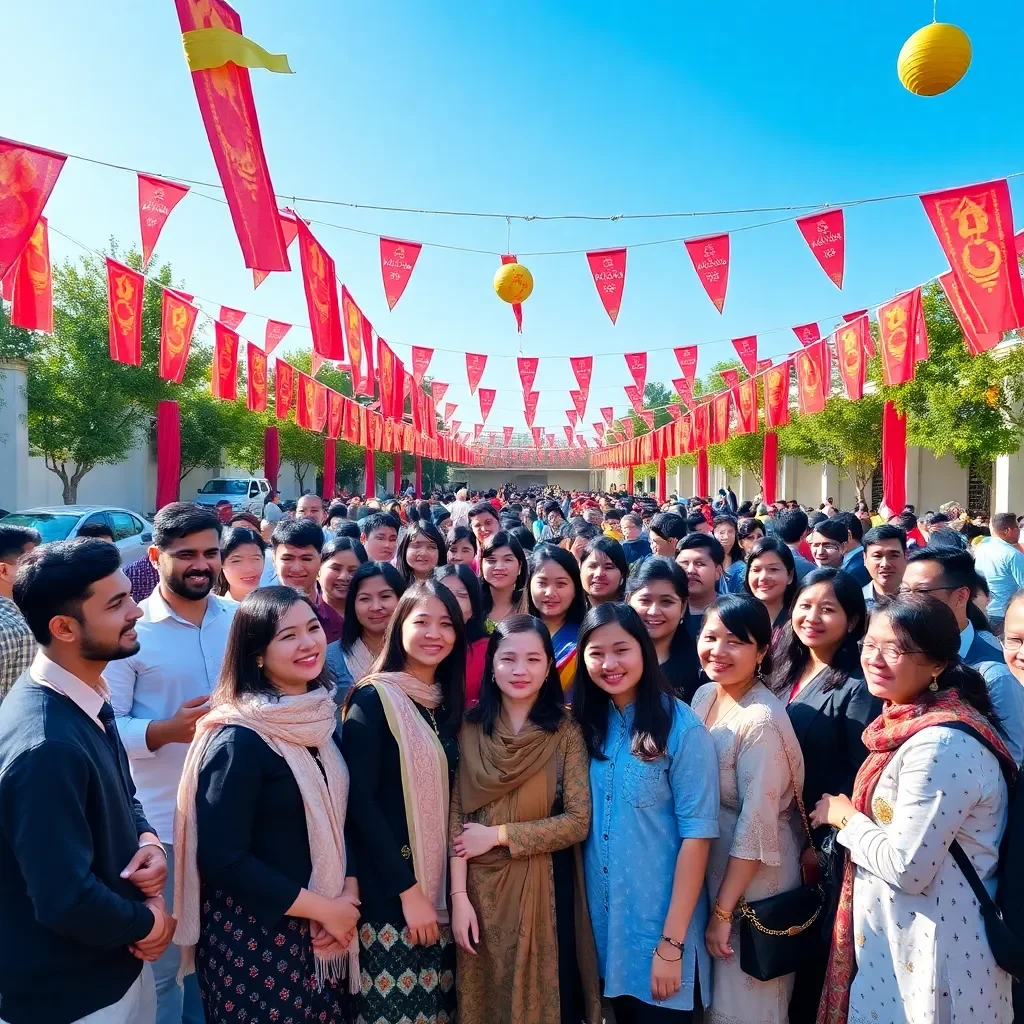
226, 487
50, 525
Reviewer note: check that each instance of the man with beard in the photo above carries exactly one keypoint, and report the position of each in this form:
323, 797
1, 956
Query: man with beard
81, 868
161, 692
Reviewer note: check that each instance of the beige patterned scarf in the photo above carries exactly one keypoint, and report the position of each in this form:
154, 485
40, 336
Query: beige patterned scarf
289, 726
424, 778
358, 658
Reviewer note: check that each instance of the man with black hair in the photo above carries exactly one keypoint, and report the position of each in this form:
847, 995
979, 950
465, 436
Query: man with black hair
579, 535
828, 542
96, 531
81, 867
554, 522
296, 554
17, 645
696, 523
885, 558
853, 555
665, 531
791, 527
612, 524
1000, 561
949, 576
162, 690
380, 536
701, 556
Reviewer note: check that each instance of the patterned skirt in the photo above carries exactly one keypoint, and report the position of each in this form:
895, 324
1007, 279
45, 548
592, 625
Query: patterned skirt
252, 974
403, 982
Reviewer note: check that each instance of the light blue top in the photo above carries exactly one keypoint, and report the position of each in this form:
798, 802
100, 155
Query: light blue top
642, 812
733, 577
1002, 565
339, 671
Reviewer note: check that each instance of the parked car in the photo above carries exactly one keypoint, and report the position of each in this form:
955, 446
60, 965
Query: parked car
247, 494
132, 533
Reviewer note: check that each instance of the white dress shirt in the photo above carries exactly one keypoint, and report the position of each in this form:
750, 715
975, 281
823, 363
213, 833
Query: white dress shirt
177, 661
49, 673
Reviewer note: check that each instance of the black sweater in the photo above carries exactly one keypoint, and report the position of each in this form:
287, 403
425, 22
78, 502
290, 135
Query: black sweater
376, 829
251, 825
69, 824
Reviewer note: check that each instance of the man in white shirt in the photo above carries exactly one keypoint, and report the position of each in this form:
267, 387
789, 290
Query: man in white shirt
459, 508
1000, 561
160, 693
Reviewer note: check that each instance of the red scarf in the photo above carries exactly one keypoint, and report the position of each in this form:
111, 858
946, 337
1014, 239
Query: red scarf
883, 737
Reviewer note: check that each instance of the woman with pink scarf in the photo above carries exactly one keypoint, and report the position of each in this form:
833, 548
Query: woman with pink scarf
400, 733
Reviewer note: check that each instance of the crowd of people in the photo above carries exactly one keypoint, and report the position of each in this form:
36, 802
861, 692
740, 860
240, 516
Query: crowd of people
513, 758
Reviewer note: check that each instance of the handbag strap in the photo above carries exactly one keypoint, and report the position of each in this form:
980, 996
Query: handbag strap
973, 880
792, 780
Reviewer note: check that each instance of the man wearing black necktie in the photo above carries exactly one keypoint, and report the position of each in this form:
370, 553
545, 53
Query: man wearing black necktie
81, 870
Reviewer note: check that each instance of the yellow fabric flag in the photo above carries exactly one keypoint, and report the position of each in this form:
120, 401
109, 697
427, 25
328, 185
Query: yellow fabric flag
207, 48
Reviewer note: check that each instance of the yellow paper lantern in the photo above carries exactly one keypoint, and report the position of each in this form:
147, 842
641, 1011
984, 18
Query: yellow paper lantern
934, 59
513, 283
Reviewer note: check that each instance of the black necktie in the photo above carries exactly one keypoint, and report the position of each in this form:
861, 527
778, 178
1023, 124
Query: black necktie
106, 717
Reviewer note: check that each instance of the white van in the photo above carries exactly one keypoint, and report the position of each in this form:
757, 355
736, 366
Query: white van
246, 494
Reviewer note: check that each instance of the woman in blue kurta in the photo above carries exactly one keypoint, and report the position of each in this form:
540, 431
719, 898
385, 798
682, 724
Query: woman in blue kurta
654, 788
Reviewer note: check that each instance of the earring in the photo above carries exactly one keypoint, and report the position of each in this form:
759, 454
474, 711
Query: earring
934, 684
259, 663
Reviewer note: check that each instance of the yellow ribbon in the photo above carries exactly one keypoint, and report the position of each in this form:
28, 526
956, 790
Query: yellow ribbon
207, 48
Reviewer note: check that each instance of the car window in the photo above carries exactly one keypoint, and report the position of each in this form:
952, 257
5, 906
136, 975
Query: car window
139, 524
125, 525
264, 486
254, 489
225, 487
96, 517
51, 526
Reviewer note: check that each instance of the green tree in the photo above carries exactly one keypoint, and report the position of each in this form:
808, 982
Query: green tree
208, 426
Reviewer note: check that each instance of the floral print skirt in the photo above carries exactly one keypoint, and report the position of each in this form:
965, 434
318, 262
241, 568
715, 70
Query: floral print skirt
253, 974
403, 982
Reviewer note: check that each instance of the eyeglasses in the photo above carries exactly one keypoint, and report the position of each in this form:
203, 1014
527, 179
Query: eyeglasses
904, 589
825, 547
1013, 643
889, 652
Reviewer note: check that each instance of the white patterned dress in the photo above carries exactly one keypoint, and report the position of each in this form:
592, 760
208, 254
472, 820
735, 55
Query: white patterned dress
758, 820
922, 955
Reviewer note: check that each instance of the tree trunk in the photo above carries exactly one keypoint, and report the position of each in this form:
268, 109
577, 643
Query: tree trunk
301, 469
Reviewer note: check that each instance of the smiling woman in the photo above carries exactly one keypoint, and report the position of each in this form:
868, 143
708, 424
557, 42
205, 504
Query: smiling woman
243, 555
557, 599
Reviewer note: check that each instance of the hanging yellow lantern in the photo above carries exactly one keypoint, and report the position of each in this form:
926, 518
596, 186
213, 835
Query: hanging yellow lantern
934, 59
513, 283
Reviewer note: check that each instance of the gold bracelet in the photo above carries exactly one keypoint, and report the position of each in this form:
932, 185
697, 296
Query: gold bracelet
722, 915
458, 892
502, 835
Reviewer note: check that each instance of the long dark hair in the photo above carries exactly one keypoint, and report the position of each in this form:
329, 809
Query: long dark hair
336, 544
654, 710
927, 626
791, 655
770, 546
613, 549
351, 630
748, 619
232, 538
475, 628
254, 626
413, 530
735, 553
503, 539
451, 672
458, 533
548, 709
549, 553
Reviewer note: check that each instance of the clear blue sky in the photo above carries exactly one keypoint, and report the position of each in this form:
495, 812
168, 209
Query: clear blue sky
540, 108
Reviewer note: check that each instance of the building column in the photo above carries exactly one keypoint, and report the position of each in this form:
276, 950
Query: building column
14, 432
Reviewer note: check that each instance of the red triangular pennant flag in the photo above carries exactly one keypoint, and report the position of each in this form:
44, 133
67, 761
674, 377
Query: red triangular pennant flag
608, 267
275, 332
825, 234
527, 371
397, 260
746, 349
687, 359
637, 364
487, 396
156, 200
635, 396
438, 389
531, 399
475, 363
583, 368
710, 258
579, 400
420, 361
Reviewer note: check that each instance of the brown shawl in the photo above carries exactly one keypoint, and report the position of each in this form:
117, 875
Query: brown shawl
509, 778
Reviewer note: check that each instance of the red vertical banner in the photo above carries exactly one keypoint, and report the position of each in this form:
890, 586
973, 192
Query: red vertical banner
637, 365
475, 363
397, 260
700, 425
710, 258
275, 333
702, 474
661, 488
330, 456
420, 361
391, 401
776, 396
897, 336
770, 467
608, 267
271, 454
976, 343
527, 372
335, 413
367, 375
304, 399
320, 406
289, 231
229, 115
746, 349
974, 225
825, 235
809, 386
583, 368
579, 400
168, 453
177, 321
33, 283
684, 434
746, 407
720, 409
352, 325
284, 388
27, 177
157, 198
687, 359
318, 279
369, 474
894, 458
851, 355
256, 385
224, 372
438, 389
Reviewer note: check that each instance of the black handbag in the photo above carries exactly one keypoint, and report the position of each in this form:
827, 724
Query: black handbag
777, 933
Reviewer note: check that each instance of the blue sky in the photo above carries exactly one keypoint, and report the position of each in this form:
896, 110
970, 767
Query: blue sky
539, 108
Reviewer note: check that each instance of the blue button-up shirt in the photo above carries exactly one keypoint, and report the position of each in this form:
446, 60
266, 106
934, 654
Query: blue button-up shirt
642, 812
